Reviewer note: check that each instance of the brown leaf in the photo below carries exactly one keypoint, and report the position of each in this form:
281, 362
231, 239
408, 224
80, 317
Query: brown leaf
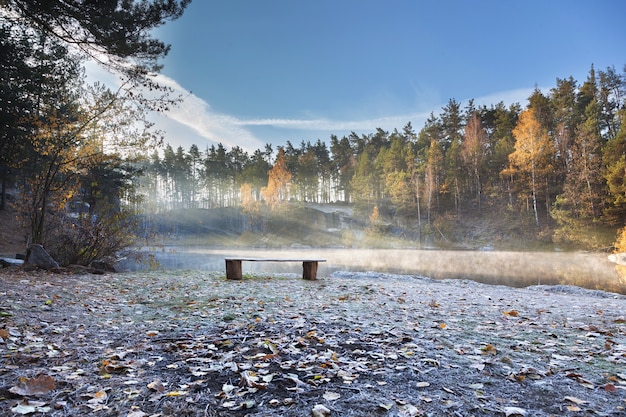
610, 388
157, 386
40, 385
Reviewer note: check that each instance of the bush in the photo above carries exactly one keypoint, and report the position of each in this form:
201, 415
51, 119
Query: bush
89, 237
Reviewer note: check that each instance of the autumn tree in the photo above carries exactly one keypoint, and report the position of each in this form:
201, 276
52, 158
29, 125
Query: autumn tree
278, 182
532, 154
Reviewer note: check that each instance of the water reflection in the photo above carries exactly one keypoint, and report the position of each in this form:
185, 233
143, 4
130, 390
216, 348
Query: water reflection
518, 269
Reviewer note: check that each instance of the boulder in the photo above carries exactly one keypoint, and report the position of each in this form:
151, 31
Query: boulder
38, 257
618, 258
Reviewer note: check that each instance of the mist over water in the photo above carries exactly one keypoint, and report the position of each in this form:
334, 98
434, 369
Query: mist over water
516, 269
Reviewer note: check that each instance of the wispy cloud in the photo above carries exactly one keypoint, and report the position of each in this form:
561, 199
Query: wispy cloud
196, 115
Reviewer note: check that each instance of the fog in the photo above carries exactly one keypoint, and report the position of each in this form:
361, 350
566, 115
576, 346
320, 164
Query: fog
517, 269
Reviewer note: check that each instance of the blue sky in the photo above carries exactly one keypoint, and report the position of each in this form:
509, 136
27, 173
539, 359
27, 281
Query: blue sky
277, 70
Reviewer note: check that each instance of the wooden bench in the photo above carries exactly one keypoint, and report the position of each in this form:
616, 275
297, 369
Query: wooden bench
309, 266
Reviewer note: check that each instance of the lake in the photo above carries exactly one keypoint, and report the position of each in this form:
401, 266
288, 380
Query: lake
517, 269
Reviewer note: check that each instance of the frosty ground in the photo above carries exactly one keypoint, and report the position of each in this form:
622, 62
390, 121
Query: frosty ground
190, 343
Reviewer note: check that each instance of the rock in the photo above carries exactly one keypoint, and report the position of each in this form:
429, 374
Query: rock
7, 262
101, 266
618, 258
38, 257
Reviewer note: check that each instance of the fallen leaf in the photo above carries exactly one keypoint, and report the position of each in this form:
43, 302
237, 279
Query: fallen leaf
387, 406
423, 384
610, 387
40, 385
575, 400
320, 411
331, 396
408, 410
30, 407
488, 349
514, 411
573, 408
98, 397
157, 386
512, 313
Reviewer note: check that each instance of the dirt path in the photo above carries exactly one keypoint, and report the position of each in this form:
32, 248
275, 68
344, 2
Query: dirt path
193, 344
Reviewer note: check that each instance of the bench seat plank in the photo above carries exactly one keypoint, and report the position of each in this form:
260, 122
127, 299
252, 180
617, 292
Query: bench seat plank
234, 271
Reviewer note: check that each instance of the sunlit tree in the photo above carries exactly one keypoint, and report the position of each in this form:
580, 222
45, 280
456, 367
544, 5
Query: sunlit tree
532, 154
278, 182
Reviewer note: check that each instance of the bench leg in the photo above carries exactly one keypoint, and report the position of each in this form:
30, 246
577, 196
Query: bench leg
309, 270
233, 270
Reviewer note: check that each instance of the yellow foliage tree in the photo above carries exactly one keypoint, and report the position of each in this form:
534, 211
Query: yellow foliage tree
620, 243
533, 150
248, 203
374, 218
278, 182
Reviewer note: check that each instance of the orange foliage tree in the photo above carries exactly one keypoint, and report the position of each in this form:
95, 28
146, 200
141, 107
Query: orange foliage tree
278, 182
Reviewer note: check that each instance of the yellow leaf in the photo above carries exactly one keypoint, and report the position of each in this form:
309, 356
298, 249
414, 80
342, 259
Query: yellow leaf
442, 326
176, 393
488, 349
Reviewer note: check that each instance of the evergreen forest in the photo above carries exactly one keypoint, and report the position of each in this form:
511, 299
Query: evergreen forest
556, 166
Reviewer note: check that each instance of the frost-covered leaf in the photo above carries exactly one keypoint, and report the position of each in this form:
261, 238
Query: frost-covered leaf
156, 385
514, 411
40, 385
408, 410
320, 411
575, 400
386, 406
30, 407
98, 397
331, 396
